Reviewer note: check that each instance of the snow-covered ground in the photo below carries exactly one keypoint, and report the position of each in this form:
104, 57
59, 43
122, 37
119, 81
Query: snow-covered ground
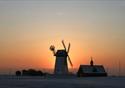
71, 82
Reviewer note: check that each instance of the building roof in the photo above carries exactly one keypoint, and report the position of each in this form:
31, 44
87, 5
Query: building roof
92, 69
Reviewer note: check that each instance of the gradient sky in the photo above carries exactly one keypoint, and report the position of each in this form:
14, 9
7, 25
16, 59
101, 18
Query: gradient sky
93, 27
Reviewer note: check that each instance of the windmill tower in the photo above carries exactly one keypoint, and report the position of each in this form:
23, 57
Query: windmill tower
61, 65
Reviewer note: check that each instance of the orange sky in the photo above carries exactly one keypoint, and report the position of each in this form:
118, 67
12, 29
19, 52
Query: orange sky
38, 56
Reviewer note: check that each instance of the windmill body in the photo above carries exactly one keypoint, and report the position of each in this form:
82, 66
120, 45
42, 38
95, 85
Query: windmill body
61, 65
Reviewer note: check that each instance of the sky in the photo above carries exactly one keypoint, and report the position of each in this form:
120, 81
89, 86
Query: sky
93, 27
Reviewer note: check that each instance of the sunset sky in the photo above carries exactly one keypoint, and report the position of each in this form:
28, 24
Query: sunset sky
93, 27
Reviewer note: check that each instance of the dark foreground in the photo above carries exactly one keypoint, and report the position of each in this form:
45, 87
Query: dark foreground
64, 82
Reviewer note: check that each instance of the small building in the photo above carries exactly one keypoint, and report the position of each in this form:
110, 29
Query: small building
91, 70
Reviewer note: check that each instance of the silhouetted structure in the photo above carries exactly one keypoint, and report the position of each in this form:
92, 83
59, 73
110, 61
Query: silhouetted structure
91, 70
91, 62
18, 73
30, 72
61, 66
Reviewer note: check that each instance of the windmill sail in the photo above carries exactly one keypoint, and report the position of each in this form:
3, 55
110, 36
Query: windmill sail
68, 48
70, 61
63, 44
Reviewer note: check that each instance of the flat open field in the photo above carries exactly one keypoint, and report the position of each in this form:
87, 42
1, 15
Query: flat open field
71, 82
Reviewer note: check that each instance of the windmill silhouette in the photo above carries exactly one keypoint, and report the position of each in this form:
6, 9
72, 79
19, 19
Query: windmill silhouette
61, 65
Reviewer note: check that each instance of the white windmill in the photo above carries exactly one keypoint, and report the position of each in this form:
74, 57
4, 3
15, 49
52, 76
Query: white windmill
61, 65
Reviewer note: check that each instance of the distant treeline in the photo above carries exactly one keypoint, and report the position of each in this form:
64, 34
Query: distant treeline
30, 72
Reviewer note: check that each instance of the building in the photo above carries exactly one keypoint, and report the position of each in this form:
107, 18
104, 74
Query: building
61, 66
91, 70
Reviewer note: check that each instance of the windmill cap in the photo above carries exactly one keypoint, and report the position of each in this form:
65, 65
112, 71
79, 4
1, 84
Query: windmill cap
61, 53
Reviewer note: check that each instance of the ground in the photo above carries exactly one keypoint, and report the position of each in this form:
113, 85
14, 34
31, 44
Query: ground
64, 82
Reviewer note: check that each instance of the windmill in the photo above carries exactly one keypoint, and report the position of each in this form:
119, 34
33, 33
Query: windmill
61, 65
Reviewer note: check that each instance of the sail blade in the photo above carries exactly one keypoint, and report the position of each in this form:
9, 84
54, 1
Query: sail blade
68, 48
70, 61
64, 44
